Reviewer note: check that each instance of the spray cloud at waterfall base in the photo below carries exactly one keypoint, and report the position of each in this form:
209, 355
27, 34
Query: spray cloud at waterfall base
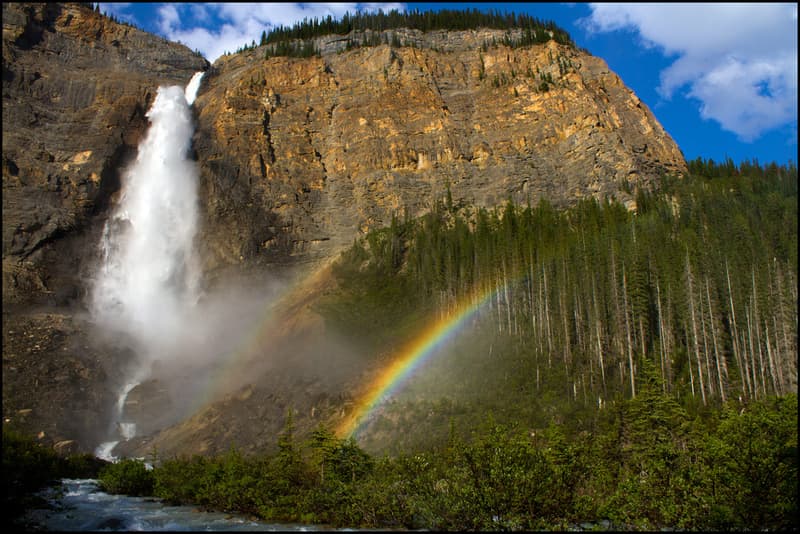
186, 341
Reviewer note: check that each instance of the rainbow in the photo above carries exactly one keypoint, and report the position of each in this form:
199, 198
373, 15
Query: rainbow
408, 360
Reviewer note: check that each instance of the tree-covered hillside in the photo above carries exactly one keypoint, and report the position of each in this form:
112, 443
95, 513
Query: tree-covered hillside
697, 285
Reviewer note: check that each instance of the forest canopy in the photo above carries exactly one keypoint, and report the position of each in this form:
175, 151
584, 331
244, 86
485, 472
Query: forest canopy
298, 40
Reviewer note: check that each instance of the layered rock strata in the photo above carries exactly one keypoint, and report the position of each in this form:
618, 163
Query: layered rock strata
299, 156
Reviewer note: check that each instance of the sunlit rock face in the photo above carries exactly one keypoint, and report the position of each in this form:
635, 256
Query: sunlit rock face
298, 156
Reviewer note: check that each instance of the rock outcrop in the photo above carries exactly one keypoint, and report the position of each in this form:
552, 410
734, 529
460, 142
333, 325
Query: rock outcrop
59, 383
297, 156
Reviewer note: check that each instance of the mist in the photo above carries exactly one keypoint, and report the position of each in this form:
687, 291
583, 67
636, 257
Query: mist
184, 344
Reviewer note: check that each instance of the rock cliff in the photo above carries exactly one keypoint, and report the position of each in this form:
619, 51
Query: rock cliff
297, 158
76, 87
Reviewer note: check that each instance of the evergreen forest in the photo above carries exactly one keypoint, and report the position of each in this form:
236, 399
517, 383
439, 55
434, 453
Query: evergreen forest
697, 286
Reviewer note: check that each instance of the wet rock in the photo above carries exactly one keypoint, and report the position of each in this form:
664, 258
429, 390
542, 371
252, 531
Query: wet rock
66, 447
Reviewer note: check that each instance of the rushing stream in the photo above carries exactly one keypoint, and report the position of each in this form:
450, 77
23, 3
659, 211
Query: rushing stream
78, 505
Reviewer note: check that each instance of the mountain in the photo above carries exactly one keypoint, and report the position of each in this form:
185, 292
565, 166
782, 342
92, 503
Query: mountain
298, 156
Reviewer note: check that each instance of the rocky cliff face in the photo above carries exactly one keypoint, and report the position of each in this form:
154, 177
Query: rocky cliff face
311, 152
76, 87
297, 157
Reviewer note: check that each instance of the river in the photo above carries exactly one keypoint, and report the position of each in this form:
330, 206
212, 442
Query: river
78, 505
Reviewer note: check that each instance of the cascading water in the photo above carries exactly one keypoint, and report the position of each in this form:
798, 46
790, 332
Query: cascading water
148, 281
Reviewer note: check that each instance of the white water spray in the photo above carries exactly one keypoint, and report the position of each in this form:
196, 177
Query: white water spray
148, 281
192, 87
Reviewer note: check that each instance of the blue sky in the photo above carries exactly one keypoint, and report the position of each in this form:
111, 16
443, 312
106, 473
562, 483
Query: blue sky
721, 78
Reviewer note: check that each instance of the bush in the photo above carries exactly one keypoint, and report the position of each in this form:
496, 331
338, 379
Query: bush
29, 466
754, 452
646, 463
129, 477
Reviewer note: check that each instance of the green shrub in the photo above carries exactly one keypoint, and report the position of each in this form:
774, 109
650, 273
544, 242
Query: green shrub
29, 466
645, 463
129, 477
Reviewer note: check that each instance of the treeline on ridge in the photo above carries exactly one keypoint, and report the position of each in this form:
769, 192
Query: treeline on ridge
297, 40
445, 19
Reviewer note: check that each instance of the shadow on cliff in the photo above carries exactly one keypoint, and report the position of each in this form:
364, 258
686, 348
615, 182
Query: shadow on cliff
35, 27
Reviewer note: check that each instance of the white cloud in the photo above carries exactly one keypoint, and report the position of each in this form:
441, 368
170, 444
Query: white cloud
168, 18
199, 12
215, 28
738, 60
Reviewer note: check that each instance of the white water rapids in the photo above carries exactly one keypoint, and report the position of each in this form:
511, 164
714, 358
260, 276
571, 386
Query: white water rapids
78, 505
148, 282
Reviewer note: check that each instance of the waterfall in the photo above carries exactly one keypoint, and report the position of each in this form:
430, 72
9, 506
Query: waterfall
148, 280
